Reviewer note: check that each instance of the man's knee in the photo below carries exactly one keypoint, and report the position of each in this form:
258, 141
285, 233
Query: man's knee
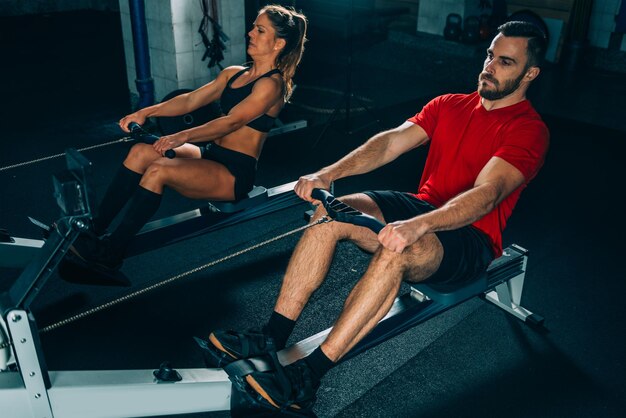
328, 230
416, 263
390, 259
318, 213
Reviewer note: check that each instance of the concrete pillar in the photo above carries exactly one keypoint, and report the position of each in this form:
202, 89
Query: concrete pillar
175, 45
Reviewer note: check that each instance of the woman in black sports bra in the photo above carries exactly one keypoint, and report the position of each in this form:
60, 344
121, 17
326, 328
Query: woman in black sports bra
251, 98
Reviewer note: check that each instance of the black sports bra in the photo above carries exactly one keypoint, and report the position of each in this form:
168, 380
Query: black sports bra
232, 96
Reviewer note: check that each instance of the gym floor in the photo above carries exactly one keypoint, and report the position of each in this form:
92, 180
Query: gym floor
472, 361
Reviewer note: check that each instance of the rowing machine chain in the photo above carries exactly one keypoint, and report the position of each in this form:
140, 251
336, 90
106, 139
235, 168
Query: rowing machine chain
49, 157
124, 298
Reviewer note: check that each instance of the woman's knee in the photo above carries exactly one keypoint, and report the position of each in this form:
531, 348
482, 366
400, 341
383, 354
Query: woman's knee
141, 156
155, 175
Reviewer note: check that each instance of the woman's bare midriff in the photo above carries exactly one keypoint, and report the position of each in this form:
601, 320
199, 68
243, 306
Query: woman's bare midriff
245, 140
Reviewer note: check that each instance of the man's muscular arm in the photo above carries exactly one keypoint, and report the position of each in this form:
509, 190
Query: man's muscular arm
376, 152
494, 183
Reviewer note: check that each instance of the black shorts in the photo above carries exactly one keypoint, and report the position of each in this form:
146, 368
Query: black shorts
466, 251
240, 165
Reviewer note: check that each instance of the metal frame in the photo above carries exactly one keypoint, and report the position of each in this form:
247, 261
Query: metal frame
18, 252
28, 389
281, 127
170, 230
212, 217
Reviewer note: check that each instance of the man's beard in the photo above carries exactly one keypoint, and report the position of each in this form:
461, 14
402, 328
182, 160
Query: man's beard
509, 87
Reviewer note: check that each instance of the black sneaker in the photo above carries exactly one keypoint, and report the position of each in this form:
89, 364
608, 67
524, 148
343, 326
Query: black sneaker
97, 251
292, 387
229, 346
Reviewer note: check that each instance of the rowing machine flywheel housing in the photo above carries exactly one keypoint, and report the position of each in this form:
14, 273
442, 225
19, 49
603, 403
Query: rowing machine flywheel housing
171, 125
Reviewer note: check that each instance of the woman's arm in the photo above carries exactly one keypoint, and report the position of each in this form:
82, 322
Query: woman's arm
266, 93
184, 103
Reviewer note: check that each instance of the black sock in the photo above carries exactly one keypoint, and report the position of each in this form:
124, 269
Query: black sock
142, 206
319, 363
279, 328
120, 190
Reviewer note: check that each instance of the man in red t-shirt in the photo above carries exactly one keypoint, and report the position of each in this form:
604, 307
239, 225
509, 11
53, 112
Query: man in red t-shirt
484, 149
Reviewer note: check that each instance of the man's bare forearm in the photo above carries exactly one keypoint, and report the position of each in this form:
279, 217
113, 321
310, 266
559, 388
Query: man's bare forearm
462, 210
366, 158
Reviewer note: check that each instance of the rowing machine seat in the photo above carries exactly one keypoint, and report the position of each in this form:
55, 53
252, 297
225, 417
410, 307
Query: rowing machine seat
450, 295
257, 195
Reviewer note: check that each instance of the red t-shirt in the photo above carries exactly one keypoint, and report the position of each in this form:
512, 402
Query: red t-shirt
464, 136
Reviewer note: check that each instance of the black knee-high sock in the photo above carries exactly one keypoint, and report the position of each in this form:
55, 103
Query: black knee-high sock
279, 328
120, 190
142, 206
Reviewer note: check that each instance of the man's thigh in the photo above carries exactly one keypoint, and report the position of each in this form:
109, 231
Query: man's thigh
466, 255
363, 237
443, 257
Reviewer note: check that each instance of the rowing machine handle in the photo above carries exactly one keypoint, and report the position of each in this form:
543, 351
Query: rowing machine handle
141, 135
341, 212
322, 195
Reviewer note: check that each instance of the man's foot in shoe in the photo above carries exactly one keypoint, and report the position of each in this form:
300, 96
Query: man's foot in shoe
97, 251
289, 387
228, 346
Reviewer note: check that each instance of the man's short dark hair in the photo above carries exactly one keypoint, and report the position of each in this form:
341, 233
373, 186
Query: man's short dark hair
537, 43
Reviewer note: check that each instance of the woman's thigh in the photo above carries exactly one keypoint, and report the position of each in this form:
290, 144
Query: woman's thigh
193, 178
141, 156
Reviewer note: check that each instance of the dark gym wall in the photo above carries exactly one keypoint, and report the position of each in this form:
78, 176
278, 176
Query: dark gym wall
22, 7
61, 63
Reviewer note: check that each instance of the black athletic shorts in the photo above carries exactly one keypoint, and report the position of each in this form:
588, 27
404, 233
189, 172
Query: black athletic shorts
466, 251
240, 165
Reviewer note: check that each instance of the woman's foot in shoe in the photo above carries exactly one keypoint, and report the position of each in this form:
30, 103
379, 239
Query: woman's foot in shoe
98, 252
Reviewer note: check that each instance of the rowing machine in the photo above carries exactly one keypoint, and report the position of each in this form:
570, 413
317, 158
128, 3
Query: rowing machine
19, 252
501, 284
28, 389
